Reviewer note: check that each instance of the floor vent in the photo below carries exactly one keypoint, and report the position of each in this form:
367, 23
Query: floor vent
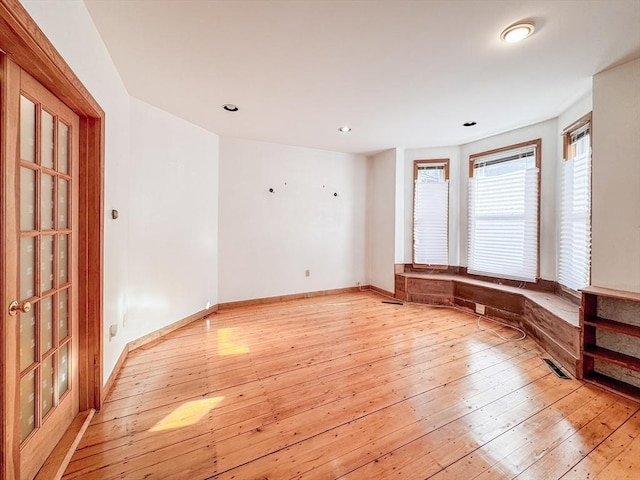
556, 369
392, 302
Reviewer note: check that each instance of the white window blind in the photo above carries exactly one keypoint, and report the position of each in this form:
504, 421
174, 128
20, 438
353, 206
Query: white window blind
430, 216
503, 215
574, 263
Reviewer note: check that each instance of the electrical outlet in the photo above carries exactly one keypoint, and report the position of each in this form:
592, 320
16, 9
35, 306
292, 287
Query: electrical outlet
479, 309
307, 273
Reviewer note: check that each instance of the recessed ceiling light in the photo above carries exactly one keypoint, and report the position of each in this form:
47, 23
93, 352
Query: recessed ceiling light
468, 124
344, 129
517, 32
230, 107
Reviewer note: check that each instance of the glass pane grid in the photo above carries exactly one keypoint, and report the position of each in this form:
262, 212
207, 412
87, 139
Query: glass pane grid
63, 315
63, 148
27, 130
27, 198
27, 339
47, 123
44, 262
47, 332
47, 385
27, 405
64, 367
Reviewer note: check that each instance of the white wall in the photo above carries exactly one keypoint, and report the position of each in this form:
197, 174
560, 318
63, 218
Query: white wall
268, 240
400, 187
382, 219
548, 132
173, 217
162, 150
453, 154
616, 178
580, 108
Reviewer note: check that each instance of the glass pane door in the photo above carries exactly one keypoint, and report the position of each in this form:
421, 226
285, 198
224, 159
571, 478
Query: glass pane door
44, 264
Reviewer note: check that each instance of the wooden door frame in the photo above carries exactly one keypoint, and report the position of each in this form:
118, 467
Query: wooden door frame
26, 45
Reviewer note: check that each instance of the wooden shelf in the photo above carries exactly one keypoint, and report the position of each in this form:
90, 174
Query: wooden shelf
618, 358
613, 385
609, 292
612, 325
603, 338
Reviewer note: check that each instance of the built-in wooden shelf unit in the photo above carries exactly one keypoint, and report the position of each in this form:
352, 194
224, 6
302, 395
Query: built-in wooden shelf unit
610, 324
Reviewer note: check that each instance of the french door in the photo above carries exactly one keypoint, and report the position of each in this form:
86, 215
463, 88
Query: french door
40, 243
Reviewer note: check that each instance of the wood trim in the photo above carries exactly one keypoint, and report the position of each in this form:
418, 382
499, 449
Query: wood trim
540, 285
566, 133
59, 459
378, 290
286, 298
9, 423
114, 373
150, 337
572, 295
428, 161
23, 41
91, 261
537, 142
612, 293
428, 266
583, 120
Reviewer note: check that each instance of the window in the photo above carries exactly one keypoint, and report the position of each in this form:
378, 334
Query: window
431, 212
503, 212
574, 262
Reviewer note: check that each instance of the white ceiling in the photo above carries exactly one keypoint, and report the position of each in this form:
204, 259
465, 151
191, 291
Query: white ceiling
400, 73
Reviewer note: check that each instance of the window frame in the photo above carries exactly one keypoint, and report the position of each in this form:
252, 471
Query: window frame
537, 143
578, 124
586, 119
416, 167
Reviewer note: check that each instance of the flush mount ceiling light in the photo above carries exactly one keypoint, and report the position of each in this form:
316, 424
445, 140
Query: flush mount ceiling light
230, 107
344, 129
468, 124
516, 33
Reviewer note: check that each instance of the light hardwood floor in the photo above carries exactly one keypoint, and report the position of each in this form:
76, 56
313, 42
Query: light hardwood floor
345, 386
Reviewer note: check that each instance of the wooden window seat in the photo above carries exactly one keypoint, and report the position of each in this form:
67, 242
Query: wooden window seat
550, 319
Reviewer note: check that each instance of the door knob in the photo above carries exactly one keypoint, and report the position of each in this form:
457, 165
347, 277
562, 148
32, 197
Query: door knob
16, 307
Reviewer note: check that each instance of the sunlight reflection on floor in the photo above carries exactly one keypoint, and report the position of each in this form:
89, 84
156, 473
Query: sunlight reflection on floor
189, 413
231, 341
